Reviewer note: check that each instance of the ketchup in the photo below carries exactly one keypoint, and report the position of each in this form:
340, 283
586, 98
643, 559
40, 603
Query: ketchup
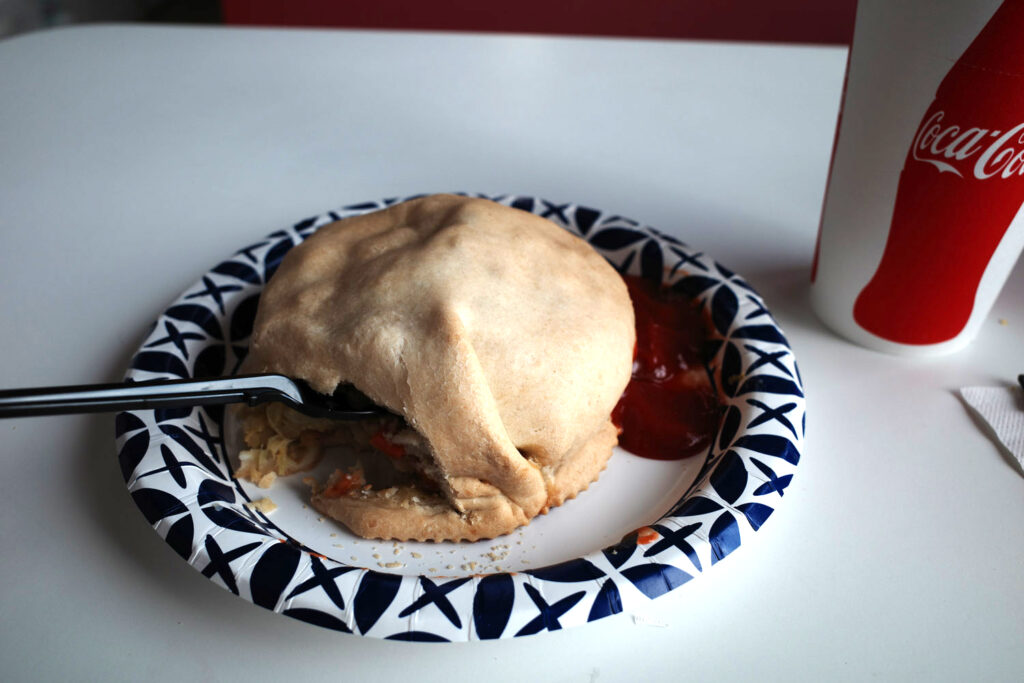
668, 410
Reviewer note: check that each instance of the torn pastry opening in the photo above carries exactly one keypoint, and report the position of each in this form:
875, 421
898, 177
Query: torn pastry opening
380, 459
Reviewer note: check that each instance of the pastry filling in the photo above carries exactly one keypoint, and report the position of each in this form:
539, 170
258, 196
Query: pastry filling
380, 458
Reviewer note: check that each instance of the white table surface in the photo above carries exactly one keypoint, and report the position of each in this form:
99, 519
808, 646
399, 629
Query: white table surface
132, 159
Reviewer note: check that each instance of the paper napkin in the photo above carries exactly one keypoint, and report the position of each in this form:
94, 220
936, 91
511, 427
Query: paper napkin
1003, 409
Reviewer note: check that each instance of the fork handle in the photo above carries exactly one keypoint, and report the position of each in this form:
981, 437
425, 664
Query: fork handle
175, 393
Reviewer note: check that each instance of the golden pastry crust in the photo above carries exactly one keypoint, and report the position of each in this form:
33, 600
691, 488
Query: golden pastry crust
501, 338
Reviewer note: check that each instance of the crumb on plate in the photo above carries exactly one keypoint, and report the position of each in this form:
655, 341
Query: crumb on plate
264, 505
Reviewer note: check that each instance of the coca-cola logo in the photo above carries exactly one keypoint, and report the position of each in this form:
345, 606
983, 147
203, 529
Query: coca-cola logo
994, 152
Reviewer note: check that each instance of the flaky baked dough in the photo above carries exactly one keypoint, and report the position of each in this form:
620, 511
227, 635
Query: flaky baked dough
501, 338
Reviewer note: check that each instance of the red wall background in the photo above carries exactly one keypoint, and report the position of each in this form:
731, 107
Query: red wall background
791, 21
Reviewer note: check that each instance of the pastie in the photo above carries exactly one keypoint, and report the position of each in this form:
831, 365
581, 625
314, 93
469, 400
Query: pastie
500, 342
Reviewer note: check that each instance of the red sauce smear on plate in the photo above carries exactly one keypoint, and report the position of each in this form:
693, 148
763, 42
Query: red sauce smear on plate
668, 410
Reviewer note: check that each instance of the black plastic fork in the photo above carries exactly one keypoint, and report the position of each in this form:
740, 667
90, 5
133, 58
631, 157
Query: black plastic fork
344, 404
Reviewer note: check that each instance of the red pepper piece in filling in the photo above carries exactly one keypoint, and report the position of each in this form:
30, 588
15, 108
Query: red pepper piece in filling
342, 484
382, 444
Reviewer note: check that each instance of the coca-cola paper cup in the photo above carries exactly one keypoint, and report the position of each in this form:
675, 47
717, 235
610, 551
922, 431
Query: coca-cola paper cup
922, 220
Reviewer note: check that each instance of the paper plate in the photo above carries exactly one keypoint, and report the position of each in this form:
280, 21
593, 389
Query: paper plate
644, 529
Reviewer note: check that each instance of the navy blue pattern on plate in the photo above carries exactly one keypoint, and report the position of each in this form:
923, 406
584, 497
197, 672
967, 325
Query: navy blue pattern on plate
176, 468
